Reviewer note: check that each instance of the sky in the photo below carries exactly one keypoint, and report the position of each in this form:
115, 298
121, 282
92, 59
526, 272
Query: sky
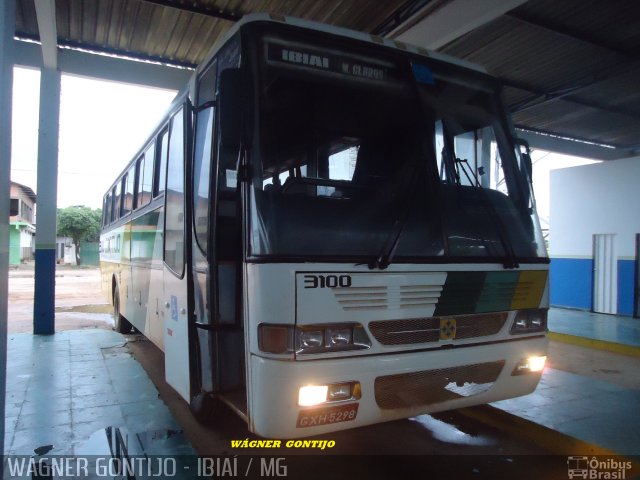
103, 124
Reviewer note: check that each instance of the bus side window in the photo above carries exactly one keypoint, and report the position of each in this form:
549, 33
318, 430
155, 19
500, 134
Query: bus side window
112, 213
161, 163
228, 57
145, 180
174, 198
107, 210
202, 157
117, 200
127, 198
140, 176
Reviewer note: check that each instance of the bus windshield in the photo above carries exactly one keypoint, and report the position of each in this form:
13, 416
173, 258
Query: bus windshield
419, 169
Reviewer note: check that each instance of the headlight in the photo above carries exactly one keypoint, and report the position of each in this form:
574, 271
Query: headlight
310, 395
337, 337
530, 321
309, 339
533, 364
330, 338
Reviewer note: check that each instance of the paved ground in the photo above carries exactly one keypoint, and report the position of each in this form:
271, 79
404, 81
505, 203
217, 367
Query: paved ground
64, 389
80, 302
598, 326
620, 370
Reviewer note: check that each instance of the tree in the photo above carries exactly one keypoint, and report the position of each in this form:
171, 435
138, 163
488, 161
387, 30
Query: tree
79, 223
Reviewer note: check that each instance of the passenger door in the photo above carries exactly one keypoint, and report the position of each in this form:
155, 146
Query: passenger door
175, 279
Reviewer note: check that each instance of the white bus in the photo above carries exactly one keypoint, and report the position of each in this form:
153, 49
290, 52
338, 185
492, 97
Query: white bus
329, 230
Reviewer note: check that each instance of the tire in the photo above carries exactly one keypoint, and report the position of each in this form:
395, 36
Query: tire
120, 324
204, 407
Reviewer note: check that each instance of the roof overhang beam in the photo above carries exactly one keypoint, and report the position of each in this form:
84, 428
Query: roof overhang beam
75, 62
194, 7
554, 143
46, 16
439, 23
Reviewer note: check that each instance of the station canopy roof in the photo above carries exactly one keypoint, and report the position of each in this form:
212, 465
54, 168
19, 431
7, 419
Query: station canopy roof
570, 68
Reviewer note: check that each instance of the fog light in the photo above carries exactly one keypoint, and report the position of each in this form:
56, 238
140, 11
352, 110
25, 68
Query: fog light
312, 395
340, 391
536, 364
530, 365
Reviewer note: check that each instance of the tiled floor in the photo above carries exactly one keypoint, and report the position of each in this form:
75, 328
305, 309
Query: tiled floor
590, 410
597, 326
63, 388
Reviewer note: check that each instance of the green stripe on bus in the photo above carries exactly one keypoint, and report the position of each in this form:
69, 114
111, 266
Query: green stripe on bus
498, 291
460, 293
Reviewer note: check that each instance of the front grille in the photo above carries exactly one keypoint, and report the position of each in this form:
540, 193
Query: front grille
473, 326
423, 330
362, 298
435, 386
401, 332
391, 297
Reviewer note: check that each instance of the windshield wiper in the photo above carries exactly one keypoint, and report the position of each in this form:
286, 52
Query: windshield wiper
384, 257
383, 260
510, 260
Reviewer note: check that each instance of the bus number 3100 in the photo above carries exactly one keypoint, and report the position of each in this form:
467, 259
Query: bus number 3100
327, 281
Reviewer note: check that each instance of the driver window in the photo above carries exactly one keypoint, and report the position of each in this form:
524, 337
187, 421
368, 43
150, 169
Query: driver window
306, 171
342, 164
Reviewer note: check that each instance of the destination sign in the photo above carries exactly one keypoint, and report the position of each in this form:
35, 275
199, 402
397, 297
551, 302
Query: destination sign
329, 62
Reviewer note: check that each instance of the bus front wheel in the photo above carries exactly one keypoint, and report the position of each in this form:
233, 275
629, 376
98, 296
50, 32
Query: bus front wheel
120, 324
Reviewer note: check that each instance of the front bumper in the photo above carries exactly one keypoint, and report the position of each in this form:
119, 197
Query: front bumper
274, 384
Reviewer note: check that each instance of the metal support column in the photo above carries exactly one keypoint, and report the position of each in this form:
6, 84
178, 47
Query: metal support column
7, 29
47, 193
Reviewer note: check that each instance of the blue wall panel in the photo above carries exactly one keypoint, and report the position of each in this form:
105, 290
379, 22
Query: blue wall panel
625, 286
571, 282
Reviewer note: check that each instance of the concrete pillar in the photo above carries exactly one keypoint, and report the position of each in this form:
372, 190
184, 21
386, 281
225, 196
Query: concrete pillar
7, 29
47, 194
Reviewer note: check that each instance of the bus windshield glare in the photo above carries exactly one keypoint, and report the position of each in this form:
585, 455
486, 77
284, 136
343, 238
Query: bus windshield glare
413, 168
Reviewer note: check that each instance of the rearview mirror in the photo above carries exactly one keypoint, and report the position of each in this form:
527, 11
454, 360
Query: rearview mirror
525, 153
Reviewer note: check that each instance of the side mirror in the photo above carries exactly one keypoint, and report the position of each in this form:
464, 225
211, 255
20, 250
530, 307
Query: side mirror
232, 101
525, 153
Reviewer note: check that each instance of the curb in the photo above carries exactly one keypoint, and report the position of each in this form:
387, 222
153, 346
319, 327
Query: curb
597, 344
544, 437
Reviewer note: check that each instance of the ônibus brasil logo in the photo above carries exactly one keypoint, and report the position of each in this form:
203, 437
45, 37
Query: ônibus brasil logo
597, 468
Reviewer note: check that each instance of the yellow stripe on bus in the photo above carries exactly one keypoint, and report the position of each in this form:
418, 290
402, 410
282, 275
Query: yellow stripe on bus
529, 290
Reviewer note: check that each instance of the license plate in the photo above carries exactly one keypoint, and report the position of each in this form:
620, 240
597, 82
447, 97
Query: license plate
326, 415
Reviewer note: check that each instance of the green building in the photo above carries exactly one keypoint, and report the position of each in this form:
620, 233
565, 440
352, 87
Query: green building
22, 227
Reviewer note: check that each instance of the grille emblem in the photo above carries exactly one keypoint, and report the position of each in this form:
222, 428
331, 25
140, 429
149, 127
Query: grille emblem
447, 328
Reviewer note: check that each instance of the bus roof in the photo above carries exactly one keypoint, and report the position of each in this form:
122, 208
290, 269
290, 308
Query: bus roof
344, 32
